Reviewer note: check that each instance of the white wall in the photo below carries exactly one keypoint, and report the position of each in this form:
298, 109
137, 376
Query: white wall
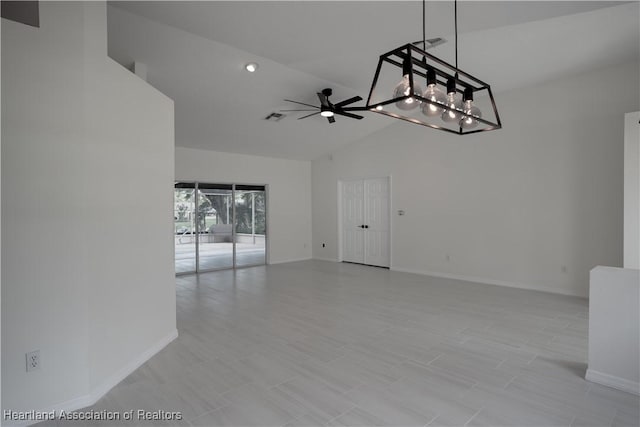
87, 160
0, 227
289, 193
536, 204
614, 328
632, 190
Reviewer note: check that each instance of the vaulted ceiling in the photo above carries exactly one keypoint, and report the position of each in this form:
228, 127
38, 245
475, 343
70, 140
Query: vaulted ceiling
195, 52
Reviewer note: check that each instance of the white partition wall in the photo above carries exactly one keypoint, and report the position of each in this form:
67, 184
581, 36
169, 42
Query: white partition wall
614, 293
87, 171
614, 328
632, 190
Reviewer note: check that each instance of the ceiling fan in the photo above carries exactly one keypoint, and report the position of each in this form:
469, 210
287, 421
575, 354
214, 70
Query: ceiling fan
327, 108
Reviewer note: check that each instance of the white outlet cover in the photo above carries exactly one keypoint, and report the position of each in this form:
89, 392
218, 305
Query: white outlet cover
33, 360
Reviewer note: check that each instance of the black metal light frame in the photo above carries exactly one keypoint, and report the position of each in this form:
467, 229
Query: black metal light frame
415, 61
419, 61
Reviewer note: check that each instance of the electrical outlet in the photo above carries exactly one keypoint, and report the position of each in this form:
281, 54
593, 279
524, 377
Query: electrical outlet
33, 361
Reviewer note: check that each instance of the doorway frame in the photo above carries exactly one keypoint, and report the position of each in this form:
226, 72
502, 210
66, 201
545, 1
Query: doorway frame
339, 213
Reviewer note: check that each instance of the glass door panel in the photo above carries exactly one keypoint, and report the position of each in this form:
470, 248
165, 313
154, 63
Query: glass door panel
215, 213
250, 225
184, 227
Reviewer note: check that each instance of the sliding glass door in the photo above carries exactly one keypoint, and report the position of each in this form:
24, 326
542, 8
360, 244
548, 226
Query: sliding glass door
215, 248
219, 226
184, 214
251, 224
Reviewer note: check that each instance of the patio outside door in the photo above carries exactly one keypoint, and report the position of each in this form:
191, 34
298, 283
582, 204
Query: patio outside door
219, 226
250, 225
184, 214
365, 221
215, 226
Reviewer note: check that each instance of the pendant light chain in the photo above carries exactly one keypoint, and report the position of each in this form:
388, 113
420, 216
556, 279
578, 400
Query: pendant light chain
455, 24
424, 36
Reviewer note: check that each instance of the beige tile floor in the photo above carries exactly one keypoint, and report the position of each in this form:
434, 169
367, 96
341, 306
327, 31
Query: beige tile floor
320, 343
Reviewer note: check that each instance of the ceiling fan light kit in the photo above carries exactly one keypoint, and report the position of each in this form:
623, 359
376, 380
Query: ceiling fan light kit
328, 109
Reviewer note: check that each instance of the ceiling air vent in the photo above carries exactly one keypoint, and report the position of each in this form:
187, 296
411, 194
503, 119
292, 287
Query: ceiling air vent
274, 117
430, 43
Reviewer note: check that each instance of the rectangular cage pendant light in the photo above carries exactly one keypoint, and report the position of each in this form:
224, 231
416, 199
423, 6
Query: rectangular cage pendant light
413, 85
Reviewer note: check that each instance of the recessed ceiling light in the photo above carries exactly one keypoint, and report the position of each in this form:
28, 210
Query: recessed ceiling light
251, 67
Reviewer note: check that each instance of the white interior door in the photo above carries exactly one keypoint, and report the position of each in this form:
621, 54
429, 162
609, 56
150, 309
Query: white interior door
352, 221
376, 222
365, 221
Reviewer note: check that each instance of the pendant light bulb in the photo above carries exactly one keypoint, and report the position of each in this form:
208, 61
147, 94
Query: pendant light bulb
471, 112
403, 88
453, 102
433, 93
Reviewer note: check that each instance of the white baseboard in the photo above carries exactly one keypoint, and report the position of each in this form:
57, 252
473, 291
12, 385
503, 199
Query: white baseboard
490, 281
126, 370
97, 393
474, 279
289, 260
325, 259
613, 381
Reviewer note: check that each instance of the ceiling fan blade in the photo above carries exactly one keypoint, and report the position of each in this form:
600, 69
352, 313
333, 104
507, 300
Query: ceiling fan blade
331, 119
308, 115
300, 110
301, 103
324, 101
348, 101
344, 113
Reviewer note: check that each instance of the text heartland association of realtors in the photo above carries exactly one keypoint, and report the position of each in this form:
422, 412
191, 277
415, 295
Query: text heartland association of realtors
133, 414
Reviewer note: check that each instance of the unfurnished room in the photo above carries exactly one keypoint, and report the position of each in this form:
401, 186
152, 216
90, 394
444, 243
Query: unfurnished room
320, 213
